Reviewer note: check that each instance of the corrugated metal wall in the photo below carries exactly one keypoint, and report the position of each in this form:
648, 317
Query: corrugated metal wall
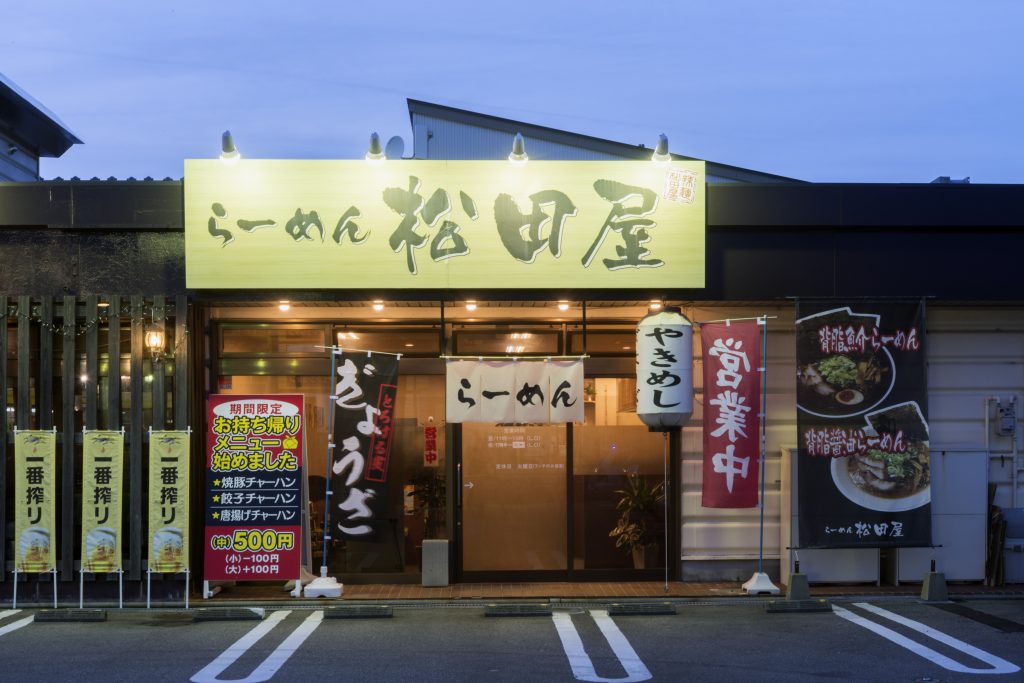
731, 535
437, 138
16, 163
973, 353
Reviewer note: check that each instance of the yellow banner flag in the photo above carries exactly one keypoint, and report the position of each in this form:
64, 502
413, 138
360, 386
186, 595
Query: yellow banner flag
102, 478
35, 484
168, 501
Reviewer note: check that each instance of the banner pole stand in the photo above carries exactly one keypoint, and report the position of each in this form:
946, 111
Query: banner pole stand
760, 583
149, 586
81, 588
665, 493
326, 586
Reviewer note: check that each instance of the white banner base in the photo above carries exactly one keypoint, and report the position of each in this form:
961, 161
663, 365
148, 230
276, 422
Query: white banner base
324, 586
760, 584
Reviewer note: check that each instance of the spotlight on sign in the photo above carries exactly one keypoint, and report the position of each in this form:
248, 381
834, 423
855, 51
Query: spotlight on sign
228, 152
661, 157
375, 154
664, 369
518, 157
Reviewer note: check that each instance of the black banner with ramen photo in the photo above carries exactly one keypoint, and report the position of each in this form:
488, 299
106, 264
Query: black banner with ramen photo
864, 474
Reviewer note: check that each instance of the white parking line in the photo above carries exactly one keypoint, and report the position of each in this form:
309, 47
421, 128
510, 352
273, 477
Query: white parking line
579, 660
999, 666
13, 626
269, 666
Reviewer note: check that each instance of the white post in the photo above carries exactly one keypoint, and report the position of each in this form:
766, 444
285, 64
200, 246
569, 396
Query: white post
81, 587
54, 587
120, 588
186, 588
14, 604
149, 585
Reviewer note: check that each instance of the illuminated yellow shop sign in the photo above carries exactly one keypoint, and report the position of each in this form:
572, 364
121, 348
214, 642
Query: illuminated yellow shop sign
444, 224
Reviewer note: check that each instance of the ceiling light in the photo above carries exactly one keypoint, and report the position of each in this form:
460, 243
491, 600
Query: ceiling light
283, 305
228, 152
563, 305
661, 157
409, 345
470, 305
518, 157
655, 305
378, 305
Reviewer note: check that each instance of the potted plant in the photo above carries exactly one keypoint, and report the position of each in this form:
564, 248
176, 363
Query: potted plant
640, 505
429, 494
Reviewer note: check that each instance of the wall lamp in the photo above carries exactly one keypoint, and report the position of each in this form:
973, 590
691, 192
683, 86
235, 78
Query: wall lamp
155, 341
228, 152
375, 155
518, 157
661, 157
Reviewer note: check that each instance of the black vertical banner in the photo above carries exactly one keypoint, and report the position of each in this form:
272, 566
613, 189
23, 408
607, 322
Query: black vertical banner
863, 463
365, 394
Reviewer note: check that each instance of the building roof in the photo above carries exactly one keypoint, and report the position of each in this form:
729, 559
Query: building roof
24, 119
555, 135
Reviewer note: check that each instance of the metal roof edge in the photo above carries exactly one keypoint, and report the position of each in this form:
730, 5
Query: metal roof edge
563, 136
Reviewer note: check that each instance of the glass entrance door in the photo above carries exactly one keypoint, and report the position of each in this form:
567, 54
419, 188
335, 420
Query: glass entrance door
513, 495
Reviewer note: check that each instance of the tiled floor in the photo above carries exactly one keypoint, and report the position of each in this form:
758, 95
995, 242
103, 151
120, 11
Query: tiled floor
592, 590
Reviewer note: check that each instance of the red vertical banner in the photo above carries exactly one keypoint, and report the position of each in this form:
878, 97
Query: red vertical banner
253, 487
732, 402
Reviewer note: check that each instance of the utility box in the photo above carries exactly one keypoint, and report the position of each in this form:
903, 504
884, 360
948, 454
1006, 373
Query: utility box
1013, 548
435, 563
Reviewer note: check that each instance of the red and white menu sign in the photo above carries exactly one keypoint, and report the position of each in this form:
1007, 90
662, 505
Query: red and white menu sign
732, 393
253, 488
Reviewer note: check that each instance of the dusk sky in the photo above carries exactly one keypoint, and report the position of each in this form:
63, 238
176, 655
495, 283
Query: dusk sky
827, 91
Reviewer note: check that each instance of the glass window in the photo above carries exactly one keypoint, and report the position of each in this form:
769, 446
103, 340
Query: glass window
414, 341
271, 339
495, 341
413, 517
604, 342
618, 474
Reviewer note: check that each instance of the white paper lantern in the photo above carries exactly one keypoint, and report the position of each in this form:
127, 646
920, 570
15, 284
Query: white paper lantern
664, 369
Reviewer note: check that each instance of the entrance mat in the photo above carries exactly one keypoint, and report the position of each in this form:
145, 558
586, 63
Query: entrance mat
71, 615
538, 609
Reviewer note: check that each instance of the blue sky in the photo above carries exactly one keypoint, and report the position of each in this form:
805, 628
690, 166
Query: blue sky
828, 91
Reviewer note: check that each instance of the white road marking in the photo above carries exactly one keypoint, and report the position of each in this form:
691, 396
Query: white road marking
15, 625
579, 660
269, 666
999, 666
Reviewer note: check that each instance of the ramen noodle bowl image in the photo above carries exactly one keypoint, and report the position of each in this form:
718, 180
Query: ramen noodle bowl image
101, 548
35, 549
885, 482
168, 547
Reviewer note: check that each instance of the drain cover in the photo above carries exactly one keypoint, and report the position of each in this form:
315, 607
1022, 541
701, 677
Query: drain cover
626, 608
228, 614
71, 615
778, 606
359, 612
539, 609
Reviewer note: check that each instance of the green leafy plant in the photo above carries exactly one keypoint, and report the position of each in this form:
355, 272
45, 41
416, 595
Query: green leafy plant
430, 494
640, 504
